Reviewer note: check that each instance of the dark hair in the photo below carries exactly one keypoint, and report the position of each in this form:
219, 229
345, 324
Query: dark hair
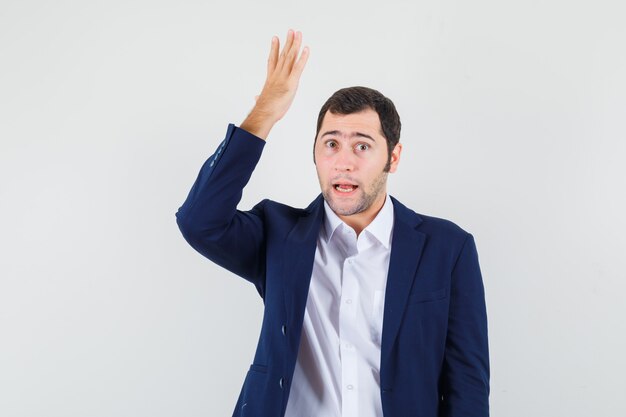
355, 99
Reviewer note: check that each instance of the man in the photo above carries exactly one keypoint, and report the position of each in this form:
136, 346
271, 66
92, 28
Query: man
370, 309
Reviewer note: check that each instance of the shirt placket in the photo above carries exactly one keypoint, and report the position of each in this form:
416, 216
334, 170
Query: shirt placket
347, 321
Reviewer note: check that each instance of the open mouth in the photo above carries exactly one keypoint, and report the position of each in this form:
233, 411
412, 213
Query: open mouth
345, 188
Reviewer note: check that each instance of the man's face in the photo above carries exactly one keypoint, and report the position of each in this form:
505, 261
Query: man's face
350, 158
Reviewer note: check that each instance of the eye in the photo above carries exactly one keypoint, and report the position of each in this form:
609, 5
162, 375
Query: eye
362, 147
331, 144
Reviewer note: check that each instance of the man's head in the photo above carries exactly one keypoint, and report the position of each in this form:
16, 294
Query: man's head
355, 99
356, 146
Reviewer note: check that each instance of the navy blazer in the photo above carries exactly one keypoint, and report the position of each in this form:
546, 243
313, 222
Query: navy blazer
434, 353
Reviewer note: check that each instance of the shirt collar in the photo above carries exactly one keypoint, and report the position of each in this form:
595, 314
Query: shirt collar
380, 228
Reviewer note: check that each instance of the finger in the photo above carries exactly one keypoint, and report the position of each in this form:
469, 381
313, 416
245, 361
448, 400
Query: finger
283, 53
288, 41
300, 63
273, 57
291, 54
294, 51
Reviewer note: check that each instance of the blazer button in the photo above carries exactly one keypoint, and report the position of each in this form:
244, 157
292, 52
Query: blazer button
284, 329
281, 382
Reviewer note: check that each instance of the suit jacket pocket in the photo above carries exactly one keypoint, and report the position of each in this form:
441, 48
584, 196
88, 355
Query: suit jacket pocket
258, 368
425, 296
257, 397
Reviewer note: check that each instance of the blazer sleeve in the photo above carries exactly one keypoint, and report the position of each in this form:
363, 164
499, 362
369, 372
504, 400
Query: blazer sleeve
209, 219
465, 377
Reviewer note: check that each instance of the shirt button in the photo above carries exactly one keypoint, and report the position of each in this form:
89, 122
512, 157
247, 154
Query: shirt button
349, 301
284, 329
281, 382
350, 387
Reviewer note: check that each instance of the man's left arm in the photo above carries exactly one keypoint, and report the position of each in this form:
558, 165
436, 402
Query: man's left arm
465, 377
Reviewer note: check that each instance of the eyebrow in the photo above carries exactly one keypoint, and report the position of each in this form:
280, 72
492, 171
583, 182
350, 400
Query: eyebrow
355, 134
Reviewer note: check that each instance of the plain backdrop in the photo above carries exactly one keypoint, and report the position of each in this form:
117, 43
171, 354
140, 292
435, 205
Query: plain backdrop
514, 127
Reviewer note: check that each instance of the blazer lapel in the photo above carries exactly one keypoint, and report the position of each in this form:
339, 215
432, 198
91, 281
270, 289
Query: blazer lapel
406, 250
299, 256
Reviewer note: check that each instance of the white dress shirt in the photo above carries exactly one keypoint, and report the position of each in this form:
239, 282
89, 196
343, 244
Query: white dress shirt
338, 364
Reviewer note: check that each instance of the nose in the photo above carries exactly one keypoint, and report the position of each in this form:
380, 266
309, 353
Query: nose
344, 161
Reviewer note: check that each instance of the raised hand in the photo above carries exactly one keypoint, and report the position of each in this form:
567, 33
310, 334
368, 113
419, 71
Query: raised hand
283, 76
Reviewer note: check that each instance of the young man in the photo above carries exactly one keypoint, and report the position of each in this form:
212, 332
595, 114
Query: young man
370, 309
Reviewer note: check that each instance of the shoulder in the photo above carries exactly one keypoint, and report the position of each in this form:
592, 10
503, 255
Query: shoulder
439, 232
444, 240
441, 226
285, 210
283, 217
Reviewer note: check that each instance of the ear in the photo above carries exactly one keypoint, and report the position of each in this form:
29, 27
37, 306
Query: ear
395, 158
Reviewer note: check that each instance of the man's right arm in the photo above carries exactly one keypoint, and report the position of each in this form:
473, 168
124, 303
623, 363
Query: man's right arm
209, 219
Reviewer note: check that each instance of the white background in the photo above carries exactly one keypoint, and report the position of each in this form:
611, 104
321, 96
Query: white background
514, 127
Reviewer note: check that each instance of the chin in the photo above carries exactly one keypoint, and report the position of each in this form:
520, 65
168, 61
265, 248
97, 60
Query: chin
344, 208
345, 211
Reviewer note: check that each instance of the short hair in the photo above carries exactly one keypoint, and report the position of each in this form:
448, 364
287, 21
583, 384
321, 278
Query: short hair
355, 99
